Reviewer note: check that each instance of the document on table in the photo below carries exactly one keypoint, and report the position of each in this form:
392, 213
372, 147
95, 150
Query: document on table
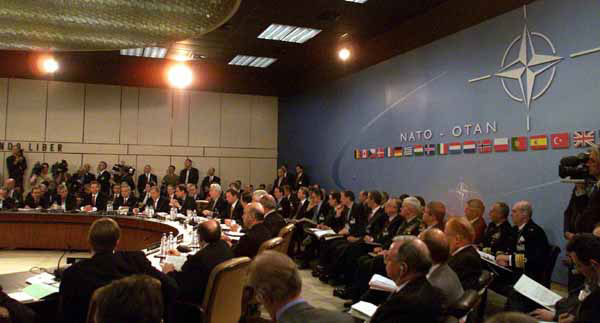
382, 283
536, 292
363, 310
176, 261
20, 296
39, 291
320, 233
43, 278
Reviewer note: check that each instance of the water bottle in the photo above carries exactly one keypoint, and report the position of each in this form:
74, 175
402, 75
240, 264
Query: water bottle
163, 245
173, 214
109, 207
171, 243
150, 211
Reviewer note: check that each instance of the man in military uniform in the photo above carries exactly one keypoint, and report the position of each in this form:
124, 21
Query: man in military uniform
497, 238
528, 255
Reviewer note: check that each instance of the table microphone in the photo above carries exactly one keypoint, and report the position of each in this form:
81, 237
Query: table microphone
59, 272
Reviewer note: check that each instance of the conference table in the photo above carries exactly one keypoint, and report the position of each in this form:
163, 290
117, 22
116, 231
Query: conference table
39, 230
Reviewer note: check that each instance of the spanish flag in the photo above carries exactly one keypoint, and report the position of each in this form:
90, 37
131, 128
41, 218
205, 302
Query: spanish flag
539, 142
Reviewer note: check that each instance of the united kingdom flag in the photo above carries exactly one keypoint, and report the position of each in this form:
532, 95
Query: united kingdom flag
583, 139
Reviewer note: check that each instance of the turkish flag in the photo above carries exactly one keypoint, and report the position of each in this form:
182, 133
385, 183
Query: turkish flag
560, 140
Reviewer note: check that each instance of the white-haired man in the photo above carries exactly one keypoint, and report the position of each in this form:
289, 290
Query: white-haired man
218, 206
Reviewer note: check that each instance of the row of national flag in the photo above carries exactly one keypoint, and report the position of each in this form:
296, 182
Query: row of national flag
581, 139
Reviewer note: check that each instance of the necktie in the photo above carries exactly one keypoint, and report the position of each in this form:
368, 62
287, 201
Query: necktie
156, 204
148, 178
125, 201
94, 200
187, 176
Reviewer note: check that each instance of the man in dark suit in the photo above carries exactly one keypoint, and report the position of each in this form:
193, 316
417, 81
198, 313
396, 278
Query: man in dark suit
415, 300
194, 193
13, 192
303, 203
281, 179
183, 202
103, 178
464, 259
196, 270
235, 210
95, 199
284, 207
273, 220
256, 232
6, 203
81, 279
126, 199
210, 179
277, 284
217, 206
144, 178
65, 200
16, 164
301, 178
188, 174
474, 210
34, 199
498, 235
158, 202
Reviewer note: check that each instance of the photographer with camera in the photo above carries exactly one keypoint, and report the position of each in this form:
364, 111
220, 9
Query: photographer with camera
60, 174
591, 215
123, 174
17, 164
40, 174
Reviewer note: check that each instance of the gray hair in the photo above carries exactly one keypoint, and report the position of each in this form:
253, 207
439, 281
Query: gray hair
526, 207
216, 187
268, 202
415, 203
258, 194
275, 276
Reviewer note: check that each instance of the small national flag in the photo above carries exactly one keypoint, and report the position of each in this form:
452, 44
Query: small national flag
390, 152
501, 145
442, 149
380, 153
364, 154
408, 151
430, 149
484, 146
356, 154
398, 152
583, 139
455, 148
372, 153
519, 143
418, 150
560, 140
469, 147
539, 142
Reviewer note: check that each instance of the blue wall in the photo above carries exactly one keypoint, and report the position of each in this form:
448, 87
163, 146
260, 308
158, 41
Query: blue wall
428, 88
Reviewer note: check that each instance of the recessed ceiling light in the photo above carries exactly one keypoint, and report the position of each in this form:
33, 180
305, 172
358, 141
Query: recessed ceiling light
287, 33
253, 61
357, 1
153, 52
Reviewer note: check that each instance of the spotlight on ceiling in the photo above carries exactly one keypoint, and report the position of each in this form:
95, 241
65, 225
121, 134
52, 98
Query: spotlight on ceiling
49, 65
344, 54
180, 76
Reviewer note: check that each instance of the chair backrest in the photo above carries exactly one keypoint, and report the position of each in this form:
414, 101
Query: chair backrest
272, 244
286, 234
91, 315
223, 296
464, 304
485, 280
547, 274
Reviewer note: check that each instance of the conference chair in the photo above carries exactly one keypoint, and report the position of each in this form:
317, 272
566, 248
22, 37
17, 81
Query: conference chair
91, 315
465, 304
272, 244
286, 234
4, 315
547, 274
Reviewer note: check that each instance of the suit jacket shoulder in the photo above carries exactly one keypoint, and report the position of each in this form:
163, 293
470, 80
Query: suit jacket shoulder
274, 222
447, 281
467, 266
249, 244
304, 312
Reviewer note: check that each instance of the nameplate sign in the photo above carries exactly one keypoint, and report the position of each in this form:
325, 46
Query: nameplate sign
32, 146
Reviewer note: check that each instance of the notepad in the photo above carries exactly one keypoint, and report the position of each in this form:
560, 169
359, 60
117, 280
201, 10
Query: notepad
43, 278
320, 233
176, 261
363, 310
20, 296
536, 292
382, 283
39, 291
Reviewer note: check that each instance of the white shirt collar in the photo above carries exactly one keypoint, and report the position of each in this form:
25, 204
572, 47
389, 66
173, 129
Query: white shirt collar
433, 268
460, 249
409, 220
401, 286
272, 211
522, 226
375, 210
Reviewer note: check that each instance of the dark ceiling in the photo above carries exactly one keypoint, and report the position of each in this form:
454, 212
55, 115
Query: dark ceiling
375, 31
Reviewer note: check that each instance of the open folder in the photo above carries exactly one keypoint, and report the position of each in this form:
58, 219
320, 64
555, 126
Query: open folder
536, 292
382, 283
363, 310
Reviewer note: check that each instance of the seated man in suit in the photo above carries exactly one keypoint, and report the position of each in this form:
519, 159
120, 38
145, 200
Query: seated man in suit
303, 202
183, 202
6, 203
273, 220
441, 275
95, 199
34, 199
218, 206
283, 204
133, 299
115, 193
210, 179
146, 197
474, 210
235, 210
256, 232
196, 270
170, 193
158, 202
277, 285
188, 174
126, 199
13, 191
434, 216
144, 178
64, 199
194, 193
416, 300
81, 279
464, 258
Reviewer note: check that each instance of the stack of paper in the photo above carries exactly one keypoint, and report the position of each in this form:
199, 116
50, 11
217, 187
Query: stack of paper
39, 291
536, 292
363, 310
176, 261
320, 233
382, 283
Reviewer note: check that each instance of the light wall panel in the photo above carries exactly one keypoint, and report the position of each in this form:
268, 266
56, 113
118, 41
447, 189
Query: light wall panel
235, 120
129, 115
3, 103
263, 171
102, 114
233, 169
181, 118
205, 119
154, 117
26, 113
264, 122
65, 112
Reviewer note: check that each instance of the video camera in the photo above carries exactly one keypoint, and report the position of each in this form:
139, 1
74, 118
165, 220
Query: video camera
575, 167
60, 167
129, 170
37, 169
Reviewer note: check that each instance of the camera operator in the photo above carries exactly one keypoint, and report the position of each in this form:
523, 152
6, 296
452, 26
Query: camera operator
60, 174
17, 164
40, 174
591, 215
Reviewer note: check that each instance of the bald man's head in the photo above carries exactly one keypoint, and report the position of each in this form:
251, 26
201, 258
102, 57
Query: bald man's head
438, 245
209, 231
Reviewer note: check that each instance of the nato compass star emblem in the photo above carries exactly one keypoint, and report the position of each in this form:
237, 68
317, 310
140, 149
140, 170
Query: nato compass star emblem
530, 64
